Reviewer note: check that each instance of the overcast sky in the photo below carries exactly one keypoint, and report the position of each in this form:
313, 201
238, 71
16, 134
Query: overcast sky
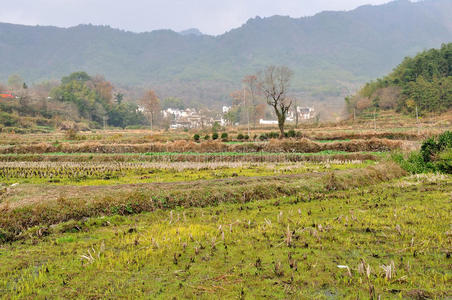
210, 16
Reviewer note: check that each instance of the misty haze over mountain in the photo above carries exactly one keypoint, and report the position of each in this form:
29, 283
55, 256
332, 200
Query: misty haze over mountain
331, 53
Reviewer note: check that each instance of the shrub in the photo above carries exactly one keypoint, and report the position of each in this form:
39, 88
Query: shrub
196, 137
291, 133
207, 137
444, 163
273, 135
414, 163
240, 136
8, 120
445, 140
428, 148
72, 134
432, 146
215, 136
224, 137
435, 156
247, 137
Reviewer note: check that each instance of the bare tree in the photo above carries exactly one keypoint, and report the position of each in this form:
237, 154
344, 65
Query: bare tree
252, 84
274, 82
295, 110
151, 105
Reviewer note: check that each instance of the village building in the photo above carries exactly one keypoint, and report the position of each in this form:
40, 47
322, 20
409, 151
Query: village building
268, 122
7, 95
305, 113
186, 118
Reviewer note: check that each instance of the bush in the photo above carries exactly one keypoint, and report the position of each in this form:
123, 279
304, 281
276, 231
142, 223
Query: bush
444, 163
445, 140
291, 133
240, 136
273, 135
215, 136
224, 137
72, 134
196, 137
414, 163
428, 148
431, 147
435, 156
8, 120
207, 137
247, 137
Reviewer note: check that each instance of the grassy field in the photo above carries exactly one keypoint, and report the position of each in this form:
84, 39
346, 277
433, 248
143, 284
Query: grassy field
62, 173
129, 214
346, 244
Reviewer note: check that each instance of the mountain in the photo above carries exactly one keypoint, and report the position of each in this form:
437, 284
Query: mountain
191, 31
331, 53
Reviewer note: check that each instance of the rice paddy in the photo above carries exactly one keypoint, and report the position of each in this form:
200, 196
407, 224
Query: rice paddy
122, 215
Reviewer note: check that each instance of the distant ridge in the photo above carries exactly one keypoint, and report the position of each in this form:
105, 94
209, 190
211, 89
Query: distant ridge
332, 53
191, 31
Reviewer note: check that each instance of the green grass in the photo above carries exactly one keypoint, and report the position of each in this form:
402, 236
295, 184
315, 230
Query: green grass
325, 152
82, 174
332, 141
282, 248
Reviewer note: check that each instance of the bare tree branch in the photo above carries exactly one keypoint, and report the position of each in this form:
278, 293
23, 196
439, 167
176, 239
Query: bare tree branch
275, 82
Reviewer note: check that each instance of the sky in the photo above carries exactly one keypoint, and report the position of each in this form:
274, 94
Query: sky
210, 16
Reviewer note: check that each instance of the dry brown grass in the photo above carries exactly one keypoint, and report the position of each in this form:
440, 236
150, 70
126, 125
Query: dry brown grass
273, 146
182, 157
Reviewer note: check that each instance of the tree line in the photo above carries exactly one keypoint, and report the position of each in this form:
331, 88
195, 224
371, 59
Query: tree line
80, 99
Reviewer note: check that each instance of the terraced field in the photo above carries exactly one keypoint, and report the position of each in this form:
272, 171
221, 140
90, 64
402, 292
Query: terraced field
368, 242
123, 215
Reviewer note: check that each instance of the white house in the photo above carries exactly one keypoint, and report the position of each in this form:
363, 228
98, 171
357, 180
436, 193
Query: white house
268, 122
187, 118
305, 113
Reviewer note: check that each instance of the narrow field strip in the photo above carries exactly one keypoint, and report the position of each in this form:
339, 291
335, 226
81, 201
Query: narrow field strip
273, 146
113, 173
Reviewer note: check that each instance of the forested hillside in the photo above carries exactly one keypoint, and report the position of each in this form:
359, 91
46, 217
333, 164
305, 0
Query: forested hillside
331, 53
423, 82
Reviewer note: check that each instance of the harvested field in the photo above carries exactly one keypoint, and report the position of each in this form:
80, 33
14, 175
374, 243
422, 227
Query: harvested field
336, 244
273, 146
160, 216
17, 215
323, 156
